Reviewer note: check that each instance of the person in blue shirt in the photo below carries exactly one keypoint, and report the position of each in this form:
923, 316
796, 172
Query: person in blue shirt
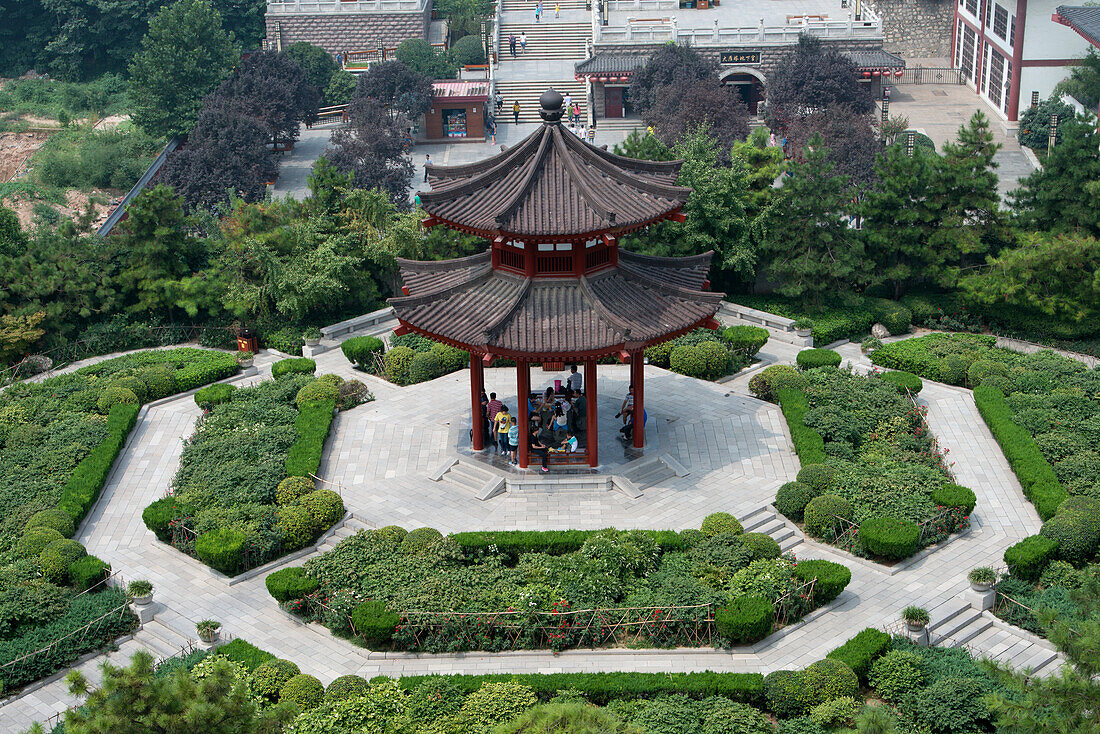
513, 439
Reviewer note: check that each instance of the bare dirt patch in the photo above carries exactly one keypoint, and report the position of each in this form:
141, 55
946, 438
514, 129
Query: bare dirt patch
16, 149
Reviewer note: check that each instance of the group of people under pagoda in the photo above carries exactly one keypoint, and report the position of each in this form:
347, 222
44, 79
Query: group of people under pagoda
556, 417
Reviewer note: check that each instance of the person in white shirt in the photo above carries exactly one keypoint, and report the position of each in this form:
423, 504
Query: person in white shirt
568, 104
575, 380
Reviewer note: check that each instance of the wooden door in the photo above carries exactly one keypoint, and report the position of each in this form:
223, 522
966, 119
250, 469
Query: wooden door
613, 102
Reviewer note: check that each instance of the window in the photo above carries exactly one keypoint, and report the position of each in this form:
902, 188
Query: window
996, 77
958, 45
988, 12
972, 7
1012, 32
967, 50
1000, 23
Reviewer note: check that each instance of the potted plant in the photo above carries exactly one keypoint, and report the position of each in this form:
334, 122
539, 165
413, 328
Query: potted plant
141, 592
803, 326
244, 359
209, 630
982, 578
916, 617
312, 336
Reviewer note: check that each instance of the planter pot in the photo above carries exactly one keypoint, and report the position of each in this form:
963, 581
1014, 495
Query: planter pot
915, 626
312, 342
143, 600
981, 588
804, 332
209, 636
245, 363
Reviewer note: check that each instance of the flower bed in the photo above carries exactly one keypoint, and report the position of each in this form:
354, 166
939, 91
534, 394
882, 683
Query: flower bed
422, 591
242, 495
874, 481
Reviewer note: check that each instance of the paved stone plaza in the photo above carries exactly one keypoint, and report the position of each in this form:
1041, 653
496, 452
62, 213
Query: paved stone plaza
736, 449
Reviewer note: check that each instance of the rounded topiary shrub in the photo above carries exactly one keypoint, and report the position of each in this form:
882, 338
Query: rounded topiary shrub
1030, 557
765, 383
59, 520
398, 361
720, 522
692, 537
905, 382
955, 495
450, 358
746, 620
889, 537
828, 679
983, 368
896, 674
363, 351
688, 360
831, 578
345, 687
158, 516
423, 367
820, 514
222, 549
819, 477
895, 317
761, 545
1077, 534
34, 541
159, 382
288, 584
419, 541
312, 392
304, 691
953, 370
392, 533
324, 506
293, 366
211, 395
113, 396
88, 571
269, 678
373, 622
659, 354
291, 489
809, 359
56, 558
791, 499
134, 384
745, 339
296, 527
716, 360
997, 382
787, 694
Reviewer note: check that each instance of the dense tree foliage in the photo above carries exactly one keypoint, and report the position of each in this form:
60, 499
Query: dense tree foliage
1083, 83
1065, 192
372, 148
1034, 129
244, 20
814, 76
421, 57
402, 93
464, 17
763, 164
852, 139
270, 88
315, 62
670, 64
681, 108
185, 55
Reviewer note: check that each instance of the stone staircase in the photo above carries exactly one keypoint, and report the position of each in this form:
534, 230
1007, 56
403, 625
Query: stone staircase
528, 93
162, 641
553, 40
346, 529
470, 476
650, 471
766, 520
528, 6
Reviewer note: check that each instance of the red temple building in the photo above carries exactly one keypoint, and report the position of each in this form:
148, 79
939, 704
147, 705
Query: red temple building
555, 286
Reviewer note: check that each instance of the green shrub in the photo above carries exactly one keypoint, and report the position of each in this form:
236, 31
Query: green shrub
821, 513
393, 533
720, 522
56, 519
374, 623
809, 359
311, 425
207, 397
291, 489
288, 584
34, 541
1028, 558
269, 678
324, 506
450, 358
56, 558
247, 654
761, 545
222, 549
983, 368
363, 351
424, 366
159, 515
952, 370
837, 712
304, 691
1036, 475
808, 443
954, 495
134, 384
113, 396
87, 479
862, 650
791, 499
952, 705
660, 354
159, 381
894, 316
293, 366
747, 340
717, 360
746, 620
688, 360
311, 392
88, 571
767, 383
896, 674
418, 541
1077, 533
345, 687
906, 382
831, 577
296, 527
997, 382
819, 477
889, 537
787, 693
829, 679
398, 361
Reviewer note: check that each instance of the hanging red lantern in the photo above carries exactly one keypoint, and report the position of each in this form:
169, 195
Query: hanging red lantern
866, 75
603, 79
898, 73
876, 72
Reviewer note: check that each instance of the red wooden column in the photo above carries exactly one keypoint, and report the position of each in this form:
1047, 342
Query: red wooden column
637, 377
592, 435
477, 384
523, 390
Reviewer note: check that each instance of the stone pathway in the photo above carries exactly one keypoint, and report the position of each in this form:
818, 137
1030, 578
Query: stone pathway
738, 451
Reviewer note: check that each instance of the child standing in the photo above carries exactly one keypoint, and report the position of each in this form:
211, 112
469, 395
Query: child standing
513, 439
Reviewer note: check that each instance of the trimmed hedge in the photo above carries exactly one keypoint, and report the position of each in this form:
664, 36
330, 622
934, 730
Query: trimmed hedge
859, 652
113, 396
808, 443
247, 654
222, 549
83, 487
746, 620
216, 394
362, 351
766, 383
1076, 528
819, 477
1030, 557
791, 499
720, 522
291, 489
747, 340
320, 390
894, 316
821, 512
602, 688
832, 578
159, 515
889, 537
955, 495
1035, 473
398, 360
270, 676
34, 541
374, 623
345, 687
512, 543
809, 359
311, 426
57, 557
828, 679
787, 693
304, 691
60, 521
904, 381
922, 356
293, 365
288, 584
88, 571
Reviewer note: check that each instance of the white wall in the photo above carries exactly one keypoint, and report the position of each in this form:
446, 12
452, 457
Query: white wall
1042, 78
1045, 39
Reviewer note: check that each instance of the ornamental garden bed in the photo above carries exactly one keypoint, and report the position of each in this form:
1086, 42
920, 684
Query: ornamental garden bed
873, 480
244, 492
408, 360
58, 441
708, 354
420, 591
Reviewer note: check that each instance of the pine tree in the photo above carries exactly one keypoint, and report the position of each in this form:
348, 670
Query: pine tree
152, 247
1064, 193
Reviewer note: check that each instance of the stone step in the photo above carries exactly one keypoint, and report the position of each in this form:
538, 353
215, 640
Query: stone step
786, 546
949, 630
528, 94
972, 631
945, 612
756, 519
548, 7
1048, 668
463, 480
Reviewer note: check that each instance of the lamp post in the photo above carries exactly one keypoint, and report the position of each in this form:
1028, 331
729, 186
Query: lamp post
885, 116
1052, 134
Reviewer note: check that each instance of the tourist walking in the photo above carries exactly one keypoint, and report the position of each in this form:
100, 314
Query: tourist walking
503, 422
576, 112
567, 103
538, 12
512, 44
427, 162
500, 99
523, 41
515, 111
557, 10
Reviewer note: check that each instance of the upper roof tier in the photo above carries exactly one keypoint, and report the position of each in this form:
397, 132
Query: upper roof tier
554, 186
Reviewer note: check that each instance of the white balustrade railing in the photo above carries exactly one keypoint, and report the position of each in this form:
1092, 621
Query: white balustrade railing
325, 7
659, 30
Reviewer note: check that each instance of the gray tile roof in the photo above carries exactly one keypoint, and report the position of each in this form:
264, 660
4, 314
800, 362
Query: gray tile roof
875, 59
612, 63
1083, 19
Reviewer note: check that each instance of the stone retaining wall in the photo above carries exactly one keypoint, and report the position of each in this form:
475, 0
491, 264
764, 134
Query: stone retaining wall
350, 31
916, 28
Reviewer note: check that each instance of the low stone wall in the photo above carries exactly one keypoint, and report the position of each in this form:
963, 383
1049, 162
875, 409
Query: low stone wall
916, 28
350, 31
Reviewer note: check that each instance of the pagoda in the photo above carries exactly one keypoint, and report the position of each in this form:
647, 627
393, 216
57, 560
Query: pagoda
555, 286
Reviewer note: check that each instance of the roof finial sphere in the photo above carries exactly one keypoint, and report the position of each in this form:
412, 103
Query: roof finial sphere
551, 102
